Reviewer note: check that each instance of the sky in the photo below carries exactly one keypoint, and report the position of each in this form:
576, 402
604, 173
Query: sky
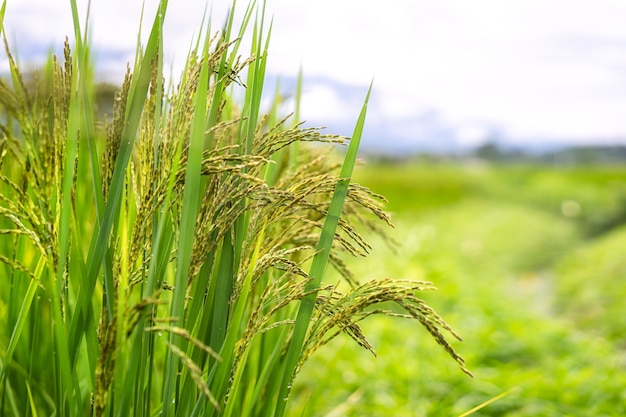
447, 74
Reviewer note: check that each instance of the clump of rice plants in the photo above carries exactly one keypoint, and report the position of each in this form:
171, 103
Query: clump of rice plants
172, 262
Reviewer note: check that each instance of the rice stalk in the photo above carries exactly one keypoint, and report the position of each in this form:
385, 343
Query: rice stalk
173, 261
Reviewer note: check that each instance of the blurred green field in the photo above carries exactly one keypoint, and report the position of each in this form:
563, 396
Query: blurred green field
530, 267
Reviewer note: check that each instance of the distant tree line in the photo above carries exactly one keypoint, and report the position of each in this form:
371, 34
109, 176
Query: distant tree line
572, 155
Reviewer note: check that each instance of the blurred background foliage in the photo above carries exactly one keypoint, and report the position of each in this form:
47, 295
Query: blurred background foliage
529, 263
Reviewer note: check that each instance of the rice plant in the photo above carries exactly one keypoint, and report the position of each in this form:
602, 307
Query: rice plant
172, 261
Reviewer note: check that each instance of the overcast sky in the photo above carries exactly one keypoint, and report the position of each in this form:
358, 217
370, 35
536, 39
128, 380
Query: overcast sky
447, 73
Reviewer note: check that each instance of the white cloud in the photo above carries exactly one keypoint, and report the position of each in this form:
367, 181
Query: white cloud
523, 65
542, 69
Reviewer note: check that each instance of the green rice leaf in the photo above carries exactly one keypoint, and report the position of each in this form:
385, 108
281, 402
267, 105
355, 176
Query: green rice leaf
99, 245
320, 262
21, 320
190, 205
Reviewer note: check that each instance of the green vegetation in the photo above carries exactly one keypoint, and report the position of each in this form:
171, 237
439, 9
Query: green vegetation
190, 258
173, 262
537, 297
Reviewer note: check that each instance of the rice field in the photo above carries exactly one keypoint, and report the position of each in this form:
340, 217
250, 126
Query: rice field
532, 288
194, 254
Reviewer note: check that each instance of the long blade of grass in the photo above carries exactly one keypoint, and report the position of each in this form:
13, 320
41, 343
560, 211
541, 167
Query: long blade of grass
256, 78
2, 11
224, 288
223, 336
226, 63
85, 107
136, 387
220, 372
255, 397
81, 53
320, 261
190, 205
99, 244
489, 401
21, 319
31, 401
